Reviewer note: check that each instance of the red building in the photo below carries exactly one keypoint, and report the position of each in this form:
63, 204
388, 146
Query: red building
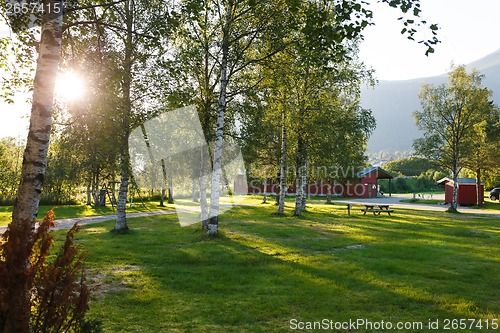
365, 185
467, 191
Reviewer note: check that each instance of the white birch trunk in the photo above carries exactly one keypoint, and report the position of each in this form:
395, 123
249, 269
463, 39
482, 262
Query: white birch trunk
121, 215
478, 187
121, 205
298, 181
170, 183
37, 144
34, 164
301, 178
329, 194
163, 183
213, 223
304, 179
283, 189
203, 188
454, 201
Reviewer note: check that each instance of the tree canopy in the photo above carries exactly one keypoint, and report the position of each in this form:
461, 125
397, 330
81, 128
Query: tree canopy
451, 119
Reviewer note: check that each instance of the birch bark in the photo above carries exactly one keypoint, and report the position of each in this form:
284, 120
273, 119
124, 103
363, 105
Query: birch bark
34, 163
454, 202
283, 189
478, 187
121, 215
163, 183
203, 188
213, 223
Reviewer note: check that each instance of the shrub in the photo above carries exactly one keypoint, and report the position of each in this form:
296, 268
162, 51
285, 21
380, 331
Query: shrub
44, 296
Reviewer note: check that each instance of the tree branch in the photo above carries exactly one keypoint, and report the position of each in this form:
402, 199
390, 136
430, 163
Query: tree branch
72, 9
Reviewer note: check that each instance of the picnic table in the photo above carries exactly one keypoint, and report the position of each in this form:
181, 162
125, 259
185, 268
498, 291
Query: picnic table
370, 208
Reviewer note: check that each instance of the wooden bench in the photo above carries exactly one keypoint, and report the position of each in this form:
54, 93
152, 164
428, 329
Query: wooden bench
377, 211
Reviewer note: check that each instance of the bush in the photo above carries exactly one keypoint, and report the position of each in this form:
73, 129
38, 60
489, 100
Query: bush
40, 295
411, 166
52, 200
409, 185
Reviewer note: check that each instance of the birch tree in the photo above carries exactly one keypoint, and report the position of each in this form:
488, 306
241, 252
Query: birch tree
321, 120
484, 150
35, 156
449, 117
219, 127
135, 34
219, 45
247, 28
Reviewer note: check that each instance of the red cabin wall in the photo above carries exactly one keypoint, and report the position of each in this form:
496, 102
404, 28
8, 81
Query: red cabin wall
370, 185
466, 194
362, 188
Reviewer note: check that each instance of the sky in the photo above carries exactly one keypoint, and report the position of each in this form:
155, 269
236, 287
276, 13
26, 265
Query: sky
468, 30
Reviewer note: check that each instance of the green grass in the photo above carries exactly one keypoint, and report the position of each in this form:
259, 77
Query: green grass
493, 206
261, 271
422, 201
69, 211
432, 192
488, 206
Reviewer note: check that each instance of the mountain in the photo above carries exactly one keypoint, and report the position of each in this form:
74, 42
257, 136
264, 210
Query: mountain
393, 104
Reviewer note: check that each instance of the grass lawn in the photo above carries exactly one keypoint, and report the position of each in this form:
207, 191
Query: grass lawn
487, 207
491, 206
68, 211
262, 271
422, 201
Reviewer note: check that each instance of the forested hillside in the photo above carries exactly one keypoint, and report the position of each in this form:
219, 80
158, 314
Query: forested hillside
393, 103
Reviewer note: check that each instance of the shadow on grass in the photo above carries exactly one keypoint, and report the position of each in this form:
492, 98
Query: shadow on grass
263, 270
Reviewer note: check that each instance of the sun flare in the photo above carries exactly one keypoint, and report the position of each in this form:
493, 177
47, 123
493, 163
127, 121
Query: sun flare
69, 86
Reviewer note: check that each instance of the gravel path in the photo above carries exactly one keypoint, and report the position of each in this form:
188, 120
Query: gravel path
395, 201
69, 222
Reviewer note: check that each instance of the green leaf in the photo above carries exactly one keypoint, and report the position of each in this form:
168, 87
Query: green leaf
429, 51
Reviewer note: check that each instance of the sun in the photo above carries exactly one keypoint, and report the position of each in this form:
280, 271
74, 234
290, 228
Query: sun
69, 86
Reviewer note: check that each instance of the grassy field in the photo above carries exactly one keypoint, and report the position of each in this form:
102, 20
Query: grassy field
491, 206
488, 206
265, 273
69, 211
422, 201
